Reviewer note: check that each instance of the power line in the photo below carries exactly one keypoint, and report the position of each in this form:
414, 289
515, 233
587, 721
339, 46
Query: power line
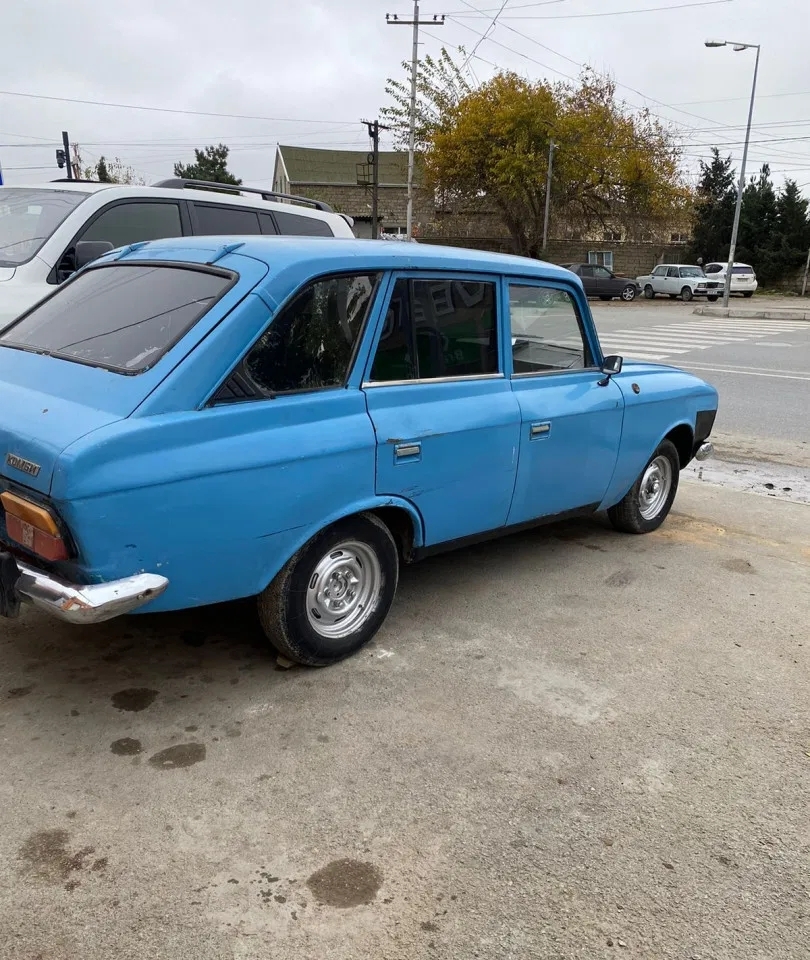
604, 13
486, 33
151, 109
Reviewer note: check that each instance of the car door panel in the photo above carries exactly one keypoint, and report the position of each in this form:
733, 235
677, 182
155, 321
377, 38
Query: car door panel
446, 421
570, 434
451, 449
570, 425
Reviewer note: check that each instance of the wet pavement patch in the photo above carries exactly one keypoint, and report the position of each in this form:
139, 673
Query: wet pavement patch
345, 883
47, 857
180, 755
126, 747
134, 699
16, 692
738, 565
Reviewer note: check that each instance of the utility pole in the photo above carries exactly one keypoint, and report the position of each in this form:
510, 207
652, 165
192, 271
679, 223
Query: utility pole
435, 21
63, 155
806, 271
374, 128
77, 162
551, 148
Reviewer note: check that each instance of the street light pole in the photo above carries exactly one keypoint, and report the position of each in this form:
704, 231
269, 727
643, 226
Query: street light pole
737, 47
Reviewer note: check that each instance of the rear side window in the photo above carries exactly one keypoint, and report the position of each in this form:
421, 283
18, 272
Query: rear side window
225, 221
311, 342
123, 317
296, 226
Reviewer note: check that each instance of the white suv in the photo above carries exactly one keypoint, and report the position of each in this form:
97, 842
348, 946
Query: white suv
679, 280
743, 278
49, 231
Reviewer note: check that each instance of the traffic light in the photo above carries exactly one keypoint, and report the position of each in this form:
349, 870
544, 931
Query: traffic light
61, 159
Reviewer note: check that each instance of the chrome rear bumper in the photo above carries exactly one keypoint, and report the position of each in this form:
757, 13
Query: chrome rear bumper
704, 451
91, 603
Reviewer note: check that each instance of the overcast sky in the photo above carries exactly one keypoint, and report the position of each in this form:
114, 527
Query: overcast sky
307, 72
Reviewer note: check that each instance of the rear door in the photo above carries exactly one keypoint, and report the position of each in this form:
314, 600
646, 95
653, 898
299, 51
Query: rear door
445, 417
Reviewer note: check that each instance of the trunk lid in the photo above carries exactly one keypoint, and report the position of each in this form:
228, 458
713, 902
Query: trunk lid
40, 417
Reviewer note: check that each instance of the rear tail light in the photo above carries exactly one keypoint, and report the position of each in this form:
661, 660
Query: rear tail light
33, 527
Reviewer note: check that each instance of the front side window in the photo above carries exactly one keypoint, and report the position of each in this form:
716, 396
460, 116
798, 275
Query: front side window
123, 317
436, 329
291, 224
311, 341
659, 272
29, 217
546, 333
127, 223
601, 273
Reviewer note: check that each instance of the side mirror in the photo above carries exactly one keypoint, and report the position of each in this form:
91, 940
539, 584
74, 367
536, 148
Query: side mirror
610, 367
89, 250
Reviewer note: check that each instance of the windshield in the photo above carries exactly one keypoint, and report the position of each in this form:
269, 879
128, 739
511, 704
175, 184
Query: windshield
692, 272
28, 217
123, 317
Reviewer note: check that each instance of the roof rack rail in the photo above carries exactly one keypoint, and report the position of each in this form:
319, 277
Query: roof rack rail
182, 183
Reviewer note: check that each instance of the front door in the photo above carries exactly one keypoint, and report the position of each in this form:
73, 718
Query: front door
446, 419
570, 425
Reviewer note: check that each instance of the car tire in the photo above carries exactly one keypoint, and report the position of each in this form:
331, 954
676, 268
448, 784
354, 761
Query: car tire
649, 293
748, 294
647, 503
629, 293
686, 294
356, 558
712, 299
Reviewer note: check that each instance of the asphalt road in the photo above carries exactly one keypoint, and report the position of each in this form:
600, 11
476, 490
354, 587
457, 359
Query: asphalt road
760, 367
568, 745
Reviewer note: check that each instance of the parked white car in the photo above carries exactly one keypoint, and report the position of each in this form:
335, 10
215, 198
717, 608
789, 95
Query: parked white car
50, 230
743, 278
679, 280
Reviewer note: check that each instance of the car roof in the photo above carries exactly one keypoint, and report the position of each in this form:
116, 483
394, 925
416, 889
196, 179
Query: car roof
280, 252
255, 201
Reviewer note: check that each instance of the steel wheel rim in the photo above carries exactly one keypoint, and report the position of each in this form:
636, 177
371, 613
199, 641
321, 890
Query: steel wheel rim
628, 293
655, 486
343, 590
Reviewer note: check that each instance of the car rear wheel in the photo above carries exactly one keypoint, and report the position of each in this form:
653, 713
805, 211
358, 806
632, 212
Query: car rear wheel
649, 500
686, 294
748, 293
334, 594
629, 293
649, 293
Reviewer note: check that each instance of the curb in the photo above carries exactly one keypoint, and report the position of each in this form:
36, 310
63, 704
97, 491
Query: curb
777, 313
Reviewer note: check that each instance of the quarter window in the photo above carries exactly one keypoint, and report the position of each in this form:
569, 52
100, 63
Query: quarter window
546, 333
127, 223
311, 341
296, 226
438, 328
213, 220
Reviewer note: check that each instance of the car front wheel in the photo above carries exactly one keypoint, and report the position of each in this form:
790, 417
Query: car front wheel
647, 503
629, 293
712, 298
686, 294
334, 594
649, 293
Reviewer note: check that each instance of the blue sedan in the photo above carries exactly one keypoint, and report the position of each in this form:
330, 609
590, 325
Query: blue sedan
197, 420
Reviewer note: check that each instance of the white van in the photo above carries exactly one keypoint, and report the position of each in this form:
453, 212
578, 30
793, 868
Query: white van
50, 230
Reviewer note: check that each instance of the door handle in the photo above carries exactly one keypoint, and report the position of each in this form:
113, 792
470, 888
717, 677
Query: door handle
403, 451
539, 430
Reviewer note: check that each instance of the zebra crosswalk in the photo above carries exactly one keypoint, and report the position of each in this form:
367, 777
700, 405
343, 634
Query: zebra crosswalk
663, 341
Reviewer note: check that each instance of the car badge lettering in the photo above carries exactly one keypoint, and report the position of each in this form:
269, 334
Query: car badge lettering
25, 466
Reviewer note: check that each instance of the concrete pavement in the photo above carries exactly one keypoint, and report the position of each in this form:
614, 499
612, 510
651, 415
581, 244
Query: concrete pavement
567, 744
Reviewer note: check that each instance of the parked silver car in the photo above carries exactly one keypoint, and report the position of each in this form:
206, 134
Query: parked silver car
679, 280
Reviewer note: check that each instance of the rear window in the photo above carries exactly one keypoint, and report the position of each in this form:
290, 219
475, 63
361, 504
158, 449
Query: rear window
741, 270
123, 317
